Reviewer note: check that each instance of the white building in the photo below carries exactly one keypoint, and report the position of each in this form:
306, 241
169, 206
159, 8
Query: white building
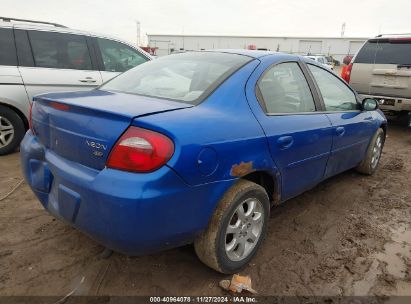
336, 46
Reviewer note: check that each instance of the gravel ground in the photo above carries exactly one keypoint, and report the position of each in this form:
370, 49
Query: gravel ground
350, 235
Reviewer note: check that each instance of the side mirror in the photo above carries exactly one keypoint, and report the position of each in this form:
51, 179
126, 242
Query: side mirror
369, 104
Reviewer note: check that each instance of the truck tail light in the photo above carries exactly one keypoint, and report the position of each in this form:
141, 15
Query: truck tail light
346, 73
140, 150
31, 117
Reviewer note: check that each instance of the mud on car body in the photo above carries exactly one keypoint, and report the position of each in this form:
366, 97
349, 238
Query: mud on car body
195, 148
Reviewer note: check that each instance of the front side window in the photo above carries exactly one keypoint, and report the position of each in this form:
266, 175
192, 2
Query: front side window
60, 51
284, 89
7, 49
118, 57
187, 77
336, 95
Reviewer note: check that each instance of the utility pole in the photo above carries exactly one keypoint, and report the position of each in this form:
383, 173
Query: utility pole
138, 32
183, 37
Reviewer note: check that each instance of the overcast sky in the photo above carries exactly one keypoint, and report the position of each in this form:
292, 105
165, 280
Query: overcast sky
363, 18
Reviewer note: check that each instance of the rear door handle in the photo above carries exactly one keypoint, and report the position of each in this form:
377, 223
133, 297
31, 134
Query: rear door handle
88, 80
340, 131
285, 142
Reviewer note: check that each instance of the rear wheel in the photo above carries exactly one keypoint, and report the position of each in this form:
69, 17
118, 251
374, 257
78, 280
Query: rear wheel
373, 155
236, 229
11, 130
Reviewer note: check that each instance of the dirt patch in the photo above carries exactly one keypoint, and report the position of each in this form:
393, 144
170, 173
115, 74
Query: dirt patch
394, 164
348, 236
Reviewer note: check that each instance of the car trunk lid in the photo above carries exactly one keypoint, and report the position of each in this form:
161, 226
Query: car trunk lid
84, 126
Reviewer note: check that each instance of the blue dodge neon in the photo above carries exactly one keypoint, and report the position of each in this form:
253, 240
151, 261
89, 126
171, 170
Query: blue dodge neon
195, 148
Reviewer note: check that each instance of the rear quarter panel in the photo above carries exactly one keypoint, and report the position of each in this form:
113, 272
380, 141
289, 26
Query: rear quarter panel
12, 90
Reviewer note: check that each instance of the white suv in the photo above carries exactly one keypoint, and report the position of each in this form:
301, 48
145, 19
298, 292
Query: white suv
40, 57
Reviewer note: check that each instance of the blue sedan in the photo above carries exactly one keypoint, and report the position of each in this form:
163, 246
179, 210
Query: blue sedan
195, 148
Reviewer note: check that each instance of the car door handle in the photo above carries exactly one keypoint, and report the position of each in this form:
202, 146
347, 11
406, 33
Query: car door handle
285, 142
88, 80
340, 131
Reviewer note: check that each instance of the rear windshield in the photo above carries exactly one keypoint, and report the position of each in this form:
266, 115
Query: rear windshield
384, 51
186, 77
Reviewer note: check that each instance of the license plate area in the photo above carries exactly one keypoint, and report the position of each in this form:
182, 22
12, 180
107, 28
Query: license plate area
389, 80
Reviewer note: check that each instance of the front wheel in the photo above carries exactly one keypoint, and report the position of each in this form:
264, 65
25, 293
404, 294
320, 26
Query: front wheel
236, 228
373, 155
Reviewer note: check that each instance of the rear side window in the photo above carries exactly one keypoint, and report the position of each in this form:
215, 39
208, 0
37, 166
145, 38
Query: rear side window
187, 77
285, 90
385, 51
7, 48
60, 51
118, 57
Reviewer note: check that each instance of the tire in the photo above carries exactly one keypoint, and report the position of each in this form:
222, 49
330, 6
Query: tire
211, 244
369, 163
11, 130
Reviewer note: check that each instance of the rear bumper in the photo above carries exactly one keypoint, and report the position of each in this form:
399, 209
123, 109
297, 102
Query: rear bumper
130, 213
388, 103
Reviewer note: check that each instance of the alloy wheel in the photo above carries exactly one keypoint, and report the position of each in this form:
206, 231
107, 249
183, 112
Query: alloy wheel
376, 152
6, 132
244, 229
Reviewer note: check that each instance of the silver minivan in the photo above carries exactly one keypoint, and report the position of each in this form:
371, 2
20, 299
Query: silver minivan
382, 70
40, 57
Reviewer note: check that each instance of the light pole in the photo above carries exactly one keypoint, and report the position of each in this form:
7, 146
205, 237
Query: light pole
138, 32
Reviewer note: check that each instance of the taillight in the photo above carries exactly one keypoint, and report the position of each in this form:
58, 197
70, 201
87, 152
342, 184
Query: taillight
59, 106
140, 150
346, 73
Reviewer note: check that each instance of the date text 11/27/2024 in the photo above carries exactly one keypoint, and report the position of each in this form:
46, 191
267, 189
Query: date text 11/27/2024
204, 299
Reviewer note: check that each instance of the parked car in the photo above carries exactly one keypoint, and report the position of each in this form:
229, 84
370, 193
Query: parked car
196, 147
382, 70
321, 60
38, 57
331, 60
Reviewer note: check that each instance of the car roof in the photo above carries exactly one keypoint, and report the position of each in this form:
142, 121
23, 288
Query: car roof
39, 26
249, 53
62, 29
391, 36
313, 56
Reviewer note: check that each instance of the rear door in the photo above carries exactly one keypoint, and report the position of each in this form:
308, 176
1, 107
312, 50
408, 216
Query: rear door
299, 137
58, 62
116, 57
352, 128
383, 68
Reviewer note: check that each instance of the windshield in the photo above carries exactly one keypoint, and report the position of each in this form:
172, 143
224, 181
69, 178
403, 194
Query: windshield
186, 77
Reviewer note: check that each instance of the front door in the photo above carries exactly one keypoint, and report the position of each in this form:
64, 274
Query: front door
352, 128
116, 57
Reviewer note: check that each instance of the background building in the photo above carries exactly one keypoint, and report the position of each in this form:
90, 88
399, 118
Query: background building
336, 46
